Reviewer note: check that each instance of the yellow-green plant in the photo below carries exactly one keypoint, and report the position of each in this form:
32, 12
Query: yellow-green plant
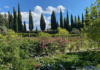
62, 31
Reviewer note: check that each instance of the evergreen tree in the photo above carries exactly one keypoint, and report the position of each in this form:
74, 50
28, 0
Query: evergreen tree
30, 21
71, 22
11, 21
79, 23
16, 22
36, 29
67, 22
57, 24
19, 19
42, 23
24, 27
64, 23
82, 20
53, 21
14, 19
61, 19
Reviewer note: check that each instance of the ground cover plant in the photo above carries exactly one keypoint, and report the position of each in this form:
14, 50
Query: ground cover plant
16, 53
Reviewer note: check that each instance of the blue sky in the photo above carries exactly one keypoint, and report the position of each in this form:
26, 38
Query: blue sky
74, 7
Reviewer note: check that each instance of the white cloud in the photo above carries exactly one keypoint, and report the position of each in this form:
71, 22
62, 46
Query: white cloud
0, 8
49, 18
6, 6
69, 10
49, 9
38, 10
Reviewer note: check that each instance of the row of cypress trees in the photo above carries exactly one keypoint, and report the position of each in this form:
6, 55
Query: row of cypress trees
15, 22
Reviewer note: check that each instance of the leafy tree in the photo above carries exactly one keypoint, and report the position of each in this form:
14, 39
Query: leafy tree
30, 21
61, 20
93, 30
5, 17
42, 23
1, 20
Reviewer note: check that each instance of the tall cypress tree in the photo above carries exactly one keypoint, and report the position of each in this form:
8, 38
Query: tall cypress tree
57, 24
79, 23
24, 27
19, 19
53, 21
67, 20
82, 20
14, 23
61, 20
30, 21
71, 22
42, 23
15, 19
11, 22
9, 18
64, 23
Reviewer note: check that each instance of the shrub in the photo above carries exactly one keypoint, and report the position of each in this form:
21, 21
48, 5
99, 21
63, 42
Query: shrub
62, 31
74, 31
42, 34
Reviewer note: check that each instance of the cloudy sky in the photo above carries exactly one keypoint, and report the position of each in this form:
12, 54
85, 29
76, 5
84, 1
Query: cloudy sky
74, 7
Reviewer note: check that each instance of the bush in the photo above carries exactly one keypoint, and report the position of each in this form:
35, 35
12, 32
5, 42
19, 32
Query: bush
75, 31
42, 34
62, 31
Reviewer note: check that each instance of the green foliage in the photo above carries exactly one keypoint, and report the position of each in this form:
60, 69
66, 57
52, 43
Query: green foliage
42, 34
74, 31
62, 31
42, 23
1, 20
61, 20
93, 31
3, 29
30, 21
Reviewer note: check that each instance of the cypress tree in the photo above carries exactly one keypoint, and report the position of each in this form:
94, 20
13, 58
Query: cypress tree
11, 22
36, 29
67, 20
24, 27
64, 23
82, 20
16, 22
61, 19
30, 21
9, 18
57, 24
19, 19
42, 23
79, 23
53, 21
71, 22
